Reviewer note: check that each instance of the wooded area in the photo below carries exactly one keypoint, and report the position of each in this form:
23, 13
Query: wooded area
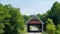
12, 22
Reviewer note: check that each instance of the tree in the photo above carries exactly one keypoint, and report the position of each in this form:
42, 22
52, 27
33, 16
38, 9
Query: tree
43, 17
11, 20
57, 29
1, 19
26, 18
50, 28
54, 13
16, 21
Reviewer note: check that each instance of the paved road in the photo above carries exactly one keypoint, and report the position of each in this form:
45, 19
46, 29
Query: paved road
34, 28
34, 33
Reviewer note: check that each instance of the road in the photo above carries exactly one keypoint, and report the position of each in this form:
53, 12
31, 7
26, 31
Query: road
34, 33
34, 28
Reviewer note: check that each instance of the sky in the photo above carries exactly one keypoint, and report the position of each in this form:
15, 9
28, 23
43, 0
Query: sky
31, 7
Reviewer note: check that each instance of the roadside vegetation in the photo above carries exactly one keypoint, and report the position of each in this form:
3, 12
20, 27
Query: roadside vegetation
12, 22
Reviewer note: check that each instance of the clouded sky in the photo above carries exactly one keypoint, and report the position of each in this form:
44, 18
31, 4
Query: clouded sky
29, 7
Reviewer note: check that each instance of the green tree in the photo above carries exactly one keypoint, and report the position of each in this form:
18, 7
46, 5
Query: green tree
54, 13
26, 18
50, 28
1, 19
57, 29
43, 17
11, 20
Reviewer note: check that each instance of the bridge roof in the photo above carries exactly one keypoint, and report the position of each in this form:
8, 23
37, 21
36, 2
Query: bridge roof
34, 20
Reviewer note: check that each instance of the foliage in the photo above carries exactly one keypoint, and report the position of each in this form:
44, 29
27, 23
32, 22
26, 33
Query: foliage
26, 18
54, 13
50, 28
57, 29
1, 19
43, 17
11, 21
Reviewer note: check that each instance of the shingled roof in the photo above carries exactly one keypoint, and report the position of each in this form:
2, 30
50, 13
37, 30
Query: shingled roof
34, 20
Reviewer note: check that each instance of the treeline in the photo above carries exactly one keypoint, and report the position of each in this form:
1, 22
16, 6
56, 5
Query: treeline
51, 19
11, 21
